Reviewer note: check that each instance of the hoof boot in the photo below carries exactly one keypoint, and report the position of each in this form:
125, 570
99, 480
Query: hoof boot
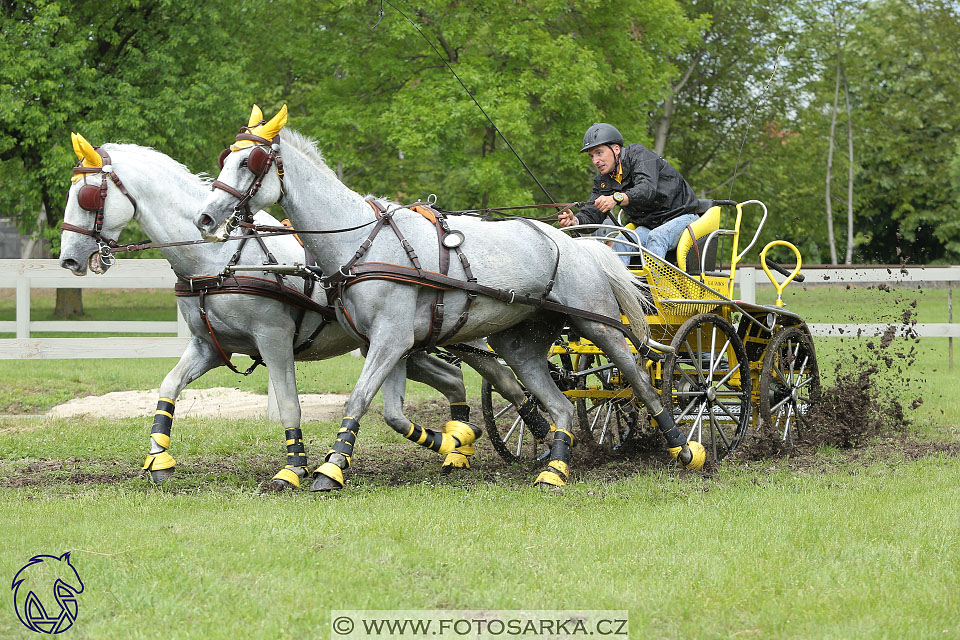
455, 460
159, 475
327, 477
691, 456
288, 477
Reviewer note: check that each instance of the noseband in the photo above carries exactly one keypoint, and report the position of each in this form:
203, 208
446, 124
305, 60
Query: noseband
263, 156
93, 198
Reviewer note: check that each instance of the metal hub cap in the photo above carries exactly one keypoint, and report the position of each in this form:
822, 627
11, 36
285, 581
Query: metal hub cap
711, 394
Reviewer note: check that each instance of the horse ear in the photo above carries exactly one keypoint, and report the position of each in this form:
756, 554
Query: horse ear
255, 116
277, 122
87, 153
76, 145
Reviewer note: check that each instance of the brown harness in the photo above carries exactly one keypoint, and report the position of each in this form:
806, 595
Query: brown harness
354, 271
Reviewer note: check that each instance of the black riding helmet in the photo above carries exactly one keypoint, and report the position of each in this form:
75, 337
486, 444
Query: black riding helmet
601, 133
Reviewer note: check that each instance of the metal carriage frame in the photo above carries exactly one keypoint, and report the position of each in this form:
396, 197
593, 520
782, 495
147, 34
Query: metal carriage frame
721, 365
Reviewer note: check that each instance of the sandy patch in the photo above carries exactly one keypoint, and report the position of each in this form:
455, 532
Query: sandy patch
218, 402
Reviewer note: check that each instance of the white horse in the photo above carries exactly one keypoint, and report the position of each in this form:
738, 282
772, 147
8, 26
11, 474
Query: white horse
517, 260
166, 196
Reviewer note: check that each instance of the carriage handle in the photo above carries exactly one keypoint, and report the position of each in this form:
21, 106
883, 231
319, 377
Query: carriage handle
764, 262
737, 257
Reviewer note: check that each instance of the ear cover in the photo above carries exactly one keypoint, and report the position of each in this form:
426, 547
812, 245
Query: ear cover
257, 160
88, 197
223, 156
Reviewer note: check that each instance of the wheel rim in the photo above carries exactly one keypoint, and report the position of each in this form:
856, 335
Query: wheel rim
506, 431
789, 382
706, 383
607, 421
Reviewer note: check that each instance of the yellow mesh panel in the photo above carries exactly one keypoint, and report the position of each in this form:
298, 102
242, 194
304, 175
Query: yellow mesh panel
667, 282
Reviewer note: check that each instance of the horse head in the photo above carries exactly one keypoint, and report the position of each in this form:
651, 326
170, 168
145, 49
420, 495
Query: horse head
246, 182
95, 214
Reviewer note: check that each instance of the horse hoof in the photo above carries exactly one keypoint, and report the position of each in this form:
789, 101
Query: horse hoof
159, 475
546, 487
327, 477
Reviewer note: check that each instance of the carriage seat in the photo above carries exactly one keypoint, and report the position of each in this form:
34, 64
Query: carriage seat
691, 245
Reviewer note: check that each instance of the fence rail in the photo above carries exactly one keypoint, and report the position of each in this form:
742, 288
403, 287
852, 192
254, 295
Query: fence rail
25, 275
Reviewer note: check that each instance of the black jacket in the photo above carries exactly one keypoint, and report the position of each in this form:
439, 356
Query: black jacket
656, 190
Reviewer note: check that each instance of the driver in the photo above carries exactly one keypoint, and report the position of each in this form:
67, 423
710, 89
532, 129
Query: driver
652, 194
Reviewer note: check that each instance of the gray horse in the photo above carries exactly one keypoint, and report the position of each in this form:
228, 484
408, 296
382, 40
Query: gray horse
167, 196
516, 258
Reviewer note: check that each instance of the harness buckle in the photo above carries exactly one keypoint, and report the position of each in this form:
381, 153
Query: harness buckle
106, 253
513, 295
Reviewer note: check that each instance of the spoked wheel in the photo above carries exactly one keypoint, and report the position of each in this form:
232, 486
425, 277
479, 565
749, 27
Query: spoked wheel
789, 381
706, 383
606, 411
507, 432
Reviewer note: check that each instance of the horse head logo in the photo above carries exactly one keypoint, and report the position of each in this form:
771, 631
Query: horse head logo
37, 579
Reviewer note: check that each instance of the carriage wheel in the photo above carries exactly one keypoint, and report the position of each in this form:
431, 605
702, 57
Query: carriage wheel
789, 380
706, 383
507, 433
607, 421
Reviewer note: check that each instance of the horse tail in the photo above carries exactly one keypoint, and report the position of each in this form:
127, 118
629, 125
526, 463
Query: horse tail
627, 289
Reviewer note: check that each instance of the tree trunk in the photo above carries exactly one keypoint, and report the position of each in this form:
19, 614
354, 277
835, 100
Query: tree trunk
69, 303
662, 129
829, 203
846, 97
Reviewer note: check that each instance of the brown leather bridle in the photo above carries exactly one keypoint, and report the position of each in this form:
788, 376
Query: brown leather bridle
265, 154
93, 198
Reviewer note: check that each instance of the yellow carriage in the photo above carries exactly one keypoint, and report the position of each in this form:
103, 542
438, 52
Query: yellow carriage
722, 365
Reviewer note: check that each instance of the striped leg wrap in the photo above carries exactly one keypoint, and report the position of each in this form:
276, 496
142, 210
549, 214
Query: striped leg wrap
531, 417
558, 469
339, 456
456, 434
159, 459
296, 466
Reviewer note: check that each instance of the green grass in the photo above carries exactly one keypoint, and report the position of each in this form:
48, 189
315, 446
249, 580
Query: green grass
831, 544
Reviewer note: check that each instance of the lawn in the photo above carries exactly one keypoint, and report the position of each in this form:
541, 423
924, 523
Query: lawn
827, 543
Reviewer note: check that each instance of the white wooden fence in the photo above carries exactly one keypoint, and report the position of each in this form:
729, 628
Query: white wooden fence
25, 275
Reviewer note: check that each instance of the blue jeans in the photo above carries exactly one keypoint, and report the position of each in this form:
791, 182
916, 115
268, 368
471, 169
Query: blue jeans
658, 240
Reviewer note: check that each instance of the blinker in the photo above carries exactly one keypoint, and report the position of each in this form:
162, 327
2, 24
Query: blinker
257, 160
223, 156
88, 197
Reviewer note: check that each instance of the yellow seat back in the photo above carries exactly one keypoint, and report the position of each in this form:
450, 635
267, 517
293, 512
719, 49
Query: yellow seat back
702, 227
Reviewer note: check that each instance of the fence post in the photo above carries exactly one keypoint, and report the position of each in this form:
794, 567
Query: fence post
748, 284
23, 306
950, 320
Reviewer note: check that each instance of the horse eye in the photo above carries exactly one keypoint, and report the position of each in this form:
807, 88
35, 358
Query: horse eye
243, 162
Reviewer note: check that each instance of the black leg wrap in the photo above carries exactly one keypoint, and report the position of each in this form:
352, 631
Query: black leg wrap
346, 437
296, 453
531, 417
460, 411
669, 429
161, 420
424, 437
561, 447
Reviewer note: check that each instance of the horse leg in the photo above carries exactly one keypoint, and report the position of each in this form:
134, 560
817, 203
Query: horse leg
380, 358
274, 348
525, 349
506, 384
197, 359
448, 380
691, 454
455, 436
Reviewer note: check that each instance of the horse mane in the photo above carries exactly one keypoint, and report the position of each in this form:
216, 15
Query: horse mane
308, 147
150, 158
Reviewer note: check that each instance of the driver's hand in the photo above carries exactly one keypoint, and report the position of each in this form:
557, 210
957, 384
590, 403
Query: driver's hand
604, 203
567, 219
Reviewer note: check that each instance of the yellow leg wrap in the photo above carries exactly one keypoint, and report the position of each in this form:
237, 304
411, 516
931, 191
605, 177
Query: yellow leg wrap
549, 477
462, 431
465, 449
161, 439
288, 475
332, 471
159, 461
456, 460
699, 454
